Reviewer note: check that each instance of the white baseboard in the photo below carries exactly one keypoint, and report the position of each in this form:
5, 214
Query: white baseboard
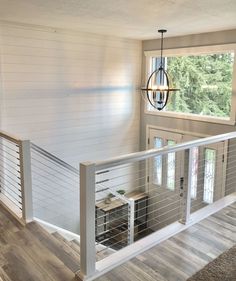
53, 228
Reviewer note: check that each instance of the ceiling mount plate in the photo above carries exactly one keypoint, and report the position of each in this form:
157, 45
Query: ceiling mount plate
162, 30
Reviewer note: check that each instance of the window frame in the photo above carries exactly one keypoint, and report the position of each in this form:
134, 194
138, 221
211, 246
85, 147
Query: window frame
200, 50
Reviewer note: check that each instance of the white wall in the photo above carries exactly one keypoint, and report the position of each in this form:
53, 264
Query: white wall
74, 94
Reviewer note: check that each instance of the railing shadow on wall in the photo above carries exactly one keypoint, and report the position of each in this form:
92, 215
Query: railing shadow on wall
55, 190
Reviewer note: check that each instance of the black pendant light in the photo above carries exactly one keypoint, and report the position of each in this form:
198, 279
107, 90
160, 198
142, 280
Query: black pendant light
158, 85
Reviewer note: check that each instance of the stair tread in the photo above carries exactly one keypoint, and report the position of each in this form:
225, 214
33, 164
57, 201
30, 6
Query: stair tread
18, 264
75, 245
76, 242
54, 265
59, 249
63, 240
37, 256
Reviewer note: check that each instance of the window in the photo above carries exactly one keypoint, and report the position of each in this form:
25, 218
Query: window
205, 83
194, 172
209, 175
171, 167
164, 168
158, 143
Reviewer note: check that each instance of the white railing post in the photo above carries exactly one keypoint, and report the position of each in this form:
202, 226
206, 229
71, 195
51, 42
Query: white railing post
131, 221
26, 180
87, 221
186, 186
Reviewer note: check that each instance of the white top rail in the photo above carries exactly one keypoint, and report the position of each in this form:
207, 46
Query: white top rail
142, 155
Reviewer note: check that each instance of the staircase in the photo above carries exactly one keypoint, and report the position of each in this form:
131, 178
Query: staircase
49, 256
37, 187
31, 253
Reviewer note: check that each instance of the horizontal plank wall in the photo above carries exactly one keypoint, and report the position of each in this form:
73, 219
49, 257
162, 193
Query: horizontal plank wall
74, 94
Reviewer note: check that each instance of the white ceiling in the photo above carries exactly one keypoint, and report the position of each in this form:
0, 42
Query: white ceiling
137, 19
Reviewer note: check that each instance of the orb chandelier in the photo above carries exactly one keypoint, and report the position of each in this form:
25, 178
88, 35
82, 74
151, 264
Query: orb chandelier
158, 85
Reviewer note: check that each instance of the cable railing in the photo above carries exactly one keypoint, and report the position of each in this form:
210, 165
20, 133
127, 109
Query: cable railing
55, 189
121, 206
129, 202
15, 177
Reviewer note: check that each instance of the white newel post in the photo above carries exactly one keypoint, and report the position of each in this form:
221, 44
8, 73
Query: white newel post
26, 180
186, 186
87, 221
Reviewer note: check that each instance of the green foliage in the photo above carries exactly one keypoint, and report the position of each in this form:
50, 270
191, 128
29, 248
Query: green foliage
205, 84
121, 191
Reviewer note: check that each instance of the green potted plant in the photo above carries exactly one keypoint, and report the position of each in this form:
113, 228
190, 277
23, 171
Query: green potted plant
121, 191
108, 198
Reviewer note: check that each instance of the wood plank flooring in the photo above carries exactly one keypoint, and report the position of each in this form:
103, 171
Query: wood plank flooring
32, 254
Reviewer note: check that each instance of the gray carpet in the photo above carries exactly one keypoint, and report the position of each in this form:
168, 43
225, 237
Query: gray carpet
222, 268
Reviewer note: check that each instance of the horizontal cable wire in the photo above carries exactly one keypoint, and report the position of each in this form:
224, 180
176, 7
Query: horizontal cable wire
50, 180
143, 177
12, 200
218, 154
16, 180
148, 199
154, 225
52, 174
57, 199
49, 191
12, 149
230, 190
138, 217
51, 208
54, 162
199, 178
54, 169
13, 190
69, 215
16, 197
6, 180
161, 194
167, 154
7, 159
9, 154
9, 171
202, 203
142, 223
39, 180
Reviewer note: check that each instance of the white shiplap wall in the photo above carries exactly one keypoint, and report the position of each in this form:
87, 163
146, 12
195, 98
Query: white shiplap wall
74, 94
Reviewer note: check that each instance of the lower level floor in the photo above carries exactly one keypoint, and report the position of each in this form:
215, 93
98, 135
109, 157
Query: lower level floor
30, 253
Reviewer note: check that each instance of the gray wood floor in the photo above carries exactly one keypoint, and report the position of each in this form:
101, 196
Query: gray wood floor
32, 254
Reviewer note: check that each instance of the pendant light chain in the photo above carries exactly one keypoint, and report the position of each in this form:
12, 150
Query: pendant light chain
161, 49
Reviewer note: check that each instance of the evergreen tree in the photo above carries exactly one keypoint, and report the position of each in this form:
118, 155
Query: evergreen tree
205, 84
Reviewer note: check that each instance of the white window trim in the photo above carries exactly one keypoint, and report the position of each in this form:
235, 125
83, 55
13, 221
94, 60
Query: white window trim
195, 51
